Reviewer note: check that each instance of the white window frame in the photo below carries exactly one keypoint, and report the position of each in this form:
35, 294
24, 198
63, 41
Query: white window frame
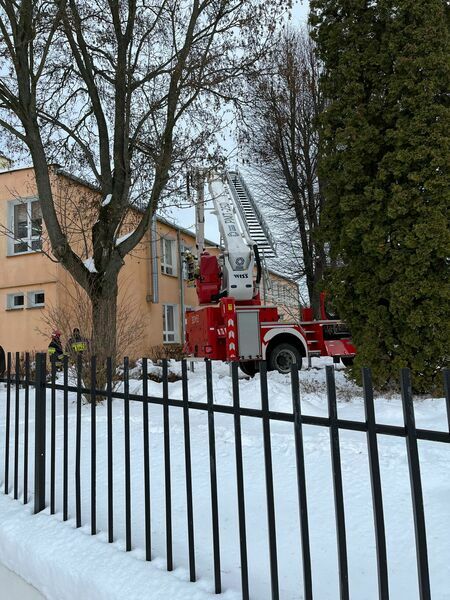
30, 237
10, 301
169, 333
168, 268
31, 299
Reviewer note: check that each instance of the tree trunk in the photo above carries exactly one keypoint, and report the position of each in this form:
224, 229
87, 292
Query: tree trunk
104, 318
104, 327
313, 268
315, 293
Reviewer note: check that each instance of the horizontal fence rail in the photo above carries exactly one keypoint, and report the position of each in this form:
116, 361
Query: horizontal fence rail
53, 382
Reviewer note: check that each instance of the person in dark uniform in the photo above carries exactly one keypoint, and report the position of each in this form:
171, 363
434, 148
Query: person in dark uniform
76, 344
55, 349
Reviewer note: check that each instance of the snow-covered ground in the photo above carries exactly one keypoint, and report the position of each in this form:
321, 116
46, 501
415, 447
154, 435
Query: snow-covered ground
64, 562
17, 588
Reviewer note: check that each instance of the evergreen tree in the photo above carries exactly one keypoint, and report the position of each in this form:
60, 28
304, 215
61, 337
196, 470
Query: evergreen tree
384, 157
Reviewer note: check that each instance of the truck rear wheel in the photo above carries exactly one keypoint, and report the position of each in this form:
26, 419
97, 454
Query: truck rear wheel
248, 367
283, 356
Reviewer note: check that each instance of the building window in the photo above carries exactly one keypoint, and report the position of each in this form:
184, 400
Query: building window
170, 323
26, 226
168, 258
15, 301
36, 299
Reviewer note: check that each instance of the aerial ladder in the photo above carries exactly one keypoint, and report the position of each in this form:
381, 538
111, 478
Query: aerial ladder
231, 323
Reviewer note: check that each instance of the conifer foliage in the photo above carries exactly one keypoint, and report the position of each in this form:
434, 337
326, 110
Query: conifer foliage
384, 158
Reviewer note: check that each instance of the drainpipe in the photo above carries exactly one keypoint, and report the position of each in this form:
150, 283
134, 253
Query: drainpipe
153, 284
149, 292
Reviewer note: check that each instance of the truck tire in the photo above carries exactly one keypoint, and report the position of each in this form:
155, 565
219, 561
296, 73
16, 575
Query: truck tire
283, 356
2, 362
347, 361
248, 367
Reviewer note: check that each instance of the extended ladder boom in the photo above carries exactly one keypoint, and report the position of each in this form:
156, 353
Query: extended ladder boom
239, 259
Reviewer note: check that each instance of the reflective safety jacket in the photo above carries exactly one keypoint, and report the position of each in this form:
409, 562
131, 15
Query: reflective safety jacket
55, 347
77, 344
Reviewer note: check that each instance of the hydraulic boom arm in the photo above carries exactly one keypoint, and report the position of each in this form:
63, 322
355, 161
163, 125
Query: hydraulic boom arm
238, 261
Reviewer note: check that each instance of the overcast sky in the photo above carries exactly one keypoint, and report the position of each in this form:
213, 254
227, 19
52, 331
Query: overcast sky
186, 216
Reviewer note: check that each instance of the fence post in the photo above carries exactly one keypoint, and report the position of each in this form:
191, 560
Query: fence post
416, 485
337, 483
39, 432
375, 481
447, 394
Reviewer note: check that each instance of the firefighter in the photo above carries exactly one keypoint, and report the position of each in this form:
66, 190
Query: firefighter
192, 270
55, 349
76, 344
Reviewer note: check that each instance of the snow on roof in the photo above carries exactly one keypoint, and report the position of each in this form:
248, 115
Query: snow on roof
76, 179
12, 169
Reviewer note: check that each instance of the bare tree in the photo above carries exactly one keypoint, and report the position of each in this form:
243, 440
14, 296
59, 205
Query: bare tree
125, 93
75, 313
281, 133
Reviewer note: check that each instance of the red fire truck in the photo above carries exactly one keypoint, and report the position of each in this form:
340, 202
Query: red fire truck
231, 323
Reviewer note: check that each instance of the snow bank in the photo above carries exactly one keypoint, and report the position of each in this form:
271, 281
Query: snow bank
64, 562
18, 588
68, 564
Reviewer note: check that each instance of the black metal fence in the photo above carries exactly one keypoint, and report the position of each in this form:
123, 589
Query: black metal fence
19, 380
